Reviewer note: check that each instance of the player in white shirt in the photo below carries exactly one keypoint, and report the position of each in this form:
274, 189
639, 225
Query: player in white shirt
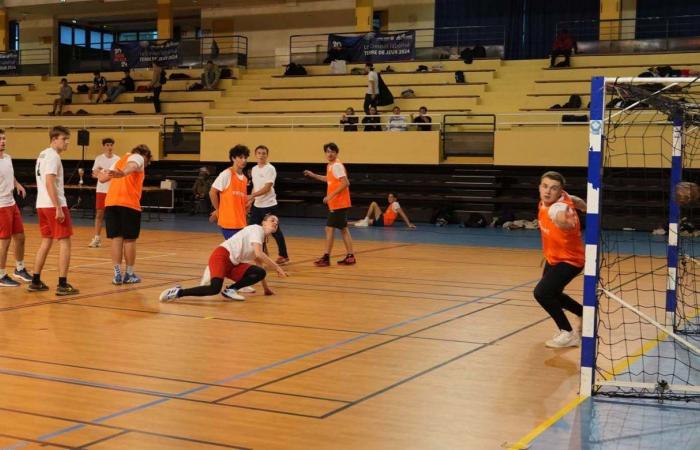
104, 161
372, 94
376, 218
52, 209
11, 226
264, 198
232, 259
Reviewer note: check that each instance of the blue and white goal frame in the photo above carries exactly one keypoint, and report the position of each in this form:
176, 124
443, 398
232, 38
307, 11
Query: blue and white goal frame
592, 235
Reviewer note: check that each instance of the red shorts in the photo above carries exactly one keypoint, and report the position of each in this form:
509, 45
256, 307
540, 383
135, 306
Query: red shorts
10, 222
220, 266
100, 200
50, 228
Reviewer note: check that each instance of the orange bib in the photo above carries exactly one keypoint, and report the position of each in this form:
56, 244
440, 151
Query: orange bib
560, 245
342, 200
125, 191
389, 216
232, 203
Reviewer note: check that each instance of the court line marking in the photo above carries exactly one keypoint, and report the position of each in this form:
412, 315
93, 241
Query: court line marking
35, 441
113, 427
525, 441
262, 368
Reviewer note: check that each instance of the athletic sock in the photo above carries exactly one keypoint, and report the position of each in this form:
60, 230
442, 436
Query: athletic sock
117, 271
19, 265
2, 273
62, 281
129, 270
36, 278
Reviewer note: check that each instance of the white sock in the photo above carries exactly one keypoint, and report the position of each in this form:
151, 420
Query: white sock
2, 273
19, 265
129, 270
117, 270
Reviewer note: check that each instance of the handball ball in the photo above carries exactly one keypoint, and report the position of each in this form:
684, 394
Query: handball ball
687, 193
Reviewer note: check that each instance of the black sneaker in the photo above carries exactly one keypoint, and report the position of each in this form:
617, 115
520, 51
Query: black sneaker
67, 290
23, 275
36, 287
6, 281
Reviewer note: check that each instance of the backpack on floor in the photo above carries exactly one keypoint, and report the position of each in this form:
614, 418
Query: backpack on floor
459, 77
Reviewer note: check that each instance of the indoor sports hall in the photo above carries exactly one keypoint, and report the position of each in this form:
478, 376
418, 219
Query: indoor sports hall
336, 224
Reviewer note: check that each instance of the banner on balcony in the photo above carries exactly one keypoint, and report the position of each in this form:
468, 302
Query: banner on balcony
373, 47
9, 62
128, 55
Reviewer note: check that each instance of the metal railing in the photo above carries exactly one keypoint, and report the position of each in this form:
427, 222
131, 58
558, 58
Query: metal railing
637, 35
304, 121
35, 61
431, 43
194, 52
468, 135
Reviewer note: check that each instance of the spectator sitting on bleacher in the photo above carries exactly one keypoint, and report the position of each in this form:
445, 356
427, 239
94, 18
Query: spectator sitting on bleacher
423, 119
210, 75
397, 122
349, 120
65, 97
200, 192
563, 45
126, 84
99, 87
372, 121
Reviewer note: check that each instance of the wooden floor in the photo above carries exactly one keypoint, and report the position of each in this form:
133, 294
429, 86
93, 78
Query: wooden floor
416, 347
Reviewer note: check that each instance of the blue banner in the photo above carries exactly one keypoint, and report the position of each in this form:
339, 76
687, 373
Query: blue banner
373, 47
128, 55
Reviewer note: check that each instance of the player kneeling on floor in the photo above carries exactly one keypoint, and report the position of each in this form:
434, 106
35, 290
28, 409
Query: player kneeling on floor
232, 260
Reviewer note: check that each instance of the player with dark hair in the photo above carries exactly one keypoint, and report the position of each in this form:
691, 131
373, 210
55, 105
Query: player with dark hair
229, 194
232, 260
338, 200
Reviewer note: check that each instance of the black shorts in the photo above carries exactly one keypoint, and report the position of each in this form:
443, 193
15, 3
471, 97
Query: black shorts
67, 101
338, 219
122, 222
379, 221
258, 214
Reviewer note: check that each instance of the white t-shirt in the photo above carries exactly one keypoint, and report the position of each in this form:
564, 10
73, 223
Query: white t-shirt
49, 163
240, 245
104, 163
224, 179
338, 170
7, 181
372, 79
395, 207
261, 176
135, 158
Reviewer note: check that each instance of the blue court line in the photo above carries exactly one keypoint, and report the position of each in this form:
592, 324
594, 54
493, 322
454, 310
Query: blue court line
262, 368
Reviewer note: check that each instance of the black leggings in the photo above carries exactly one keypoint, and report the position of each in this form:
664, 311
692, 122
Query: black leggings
549, 293
253, 275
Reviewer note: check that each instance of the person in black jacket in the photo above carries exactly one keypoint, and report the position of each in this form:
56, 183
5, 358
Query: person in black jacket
372, 121
126, 84
423, 119
349, 120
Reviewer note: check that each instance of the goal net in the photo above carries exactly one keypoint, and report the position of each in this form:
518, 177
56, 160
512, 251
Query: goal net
641, 334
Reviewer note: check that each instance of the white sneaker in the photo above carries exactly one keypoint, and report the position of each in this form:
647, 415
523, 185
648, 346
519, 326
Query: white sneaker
247, 290
564, 339
364, 223
96, 242
206, 277
231, 293
170, 294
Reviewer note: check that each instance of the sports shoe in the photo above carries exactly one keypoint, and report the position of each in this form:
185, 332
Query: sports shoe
23, 275
6, 281
282, 260
95, 242
323, 261
40, 286
247, 290
231, 293
170, 294
349, 260
564, 339
131, 278
67, 290
117, 280
364, 223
